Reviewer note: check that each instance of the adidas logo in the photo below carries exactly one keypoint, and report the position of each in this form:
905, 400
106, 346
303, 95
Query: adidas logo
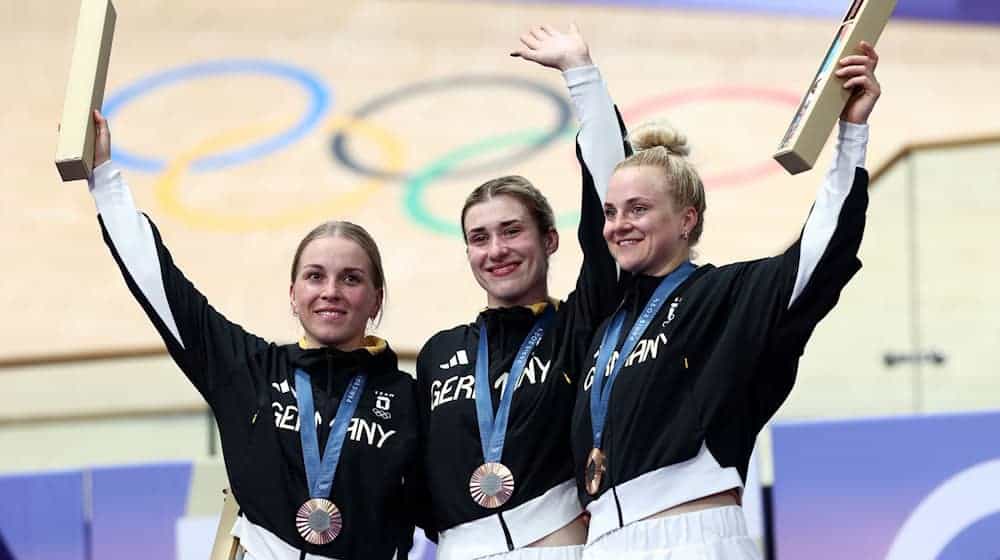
459, 359
282, 387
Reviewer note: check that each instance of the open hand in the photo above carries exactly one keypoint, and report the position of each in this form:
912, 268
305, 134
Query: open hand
550, 47
858, 73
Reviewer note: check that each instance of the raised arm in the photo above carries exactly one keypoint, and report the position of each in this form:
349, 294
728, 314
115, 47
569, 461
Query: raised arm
127, 231
858, 73
204, 344
600, 146
601, 137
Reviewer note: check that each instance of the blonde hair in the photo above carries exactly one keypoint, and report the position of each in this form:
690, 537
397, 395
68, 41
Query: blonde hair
658, 144
520, 189
357, 234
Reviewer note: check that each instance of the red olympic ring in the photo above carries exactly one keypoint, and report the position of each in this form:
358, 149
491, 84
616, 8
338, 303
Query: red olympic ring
721, 93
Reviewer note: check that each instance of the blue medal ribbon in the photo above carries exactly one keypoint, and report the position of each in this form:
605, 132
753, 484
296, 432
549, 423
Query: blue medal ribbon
320, 472
493, 430
600, 392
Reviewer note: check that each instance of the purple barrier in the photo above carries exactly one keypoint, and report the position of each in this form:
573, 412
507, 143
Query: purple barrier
907, 488
970, 11
41, 516
786, 7
135, 514
135, 510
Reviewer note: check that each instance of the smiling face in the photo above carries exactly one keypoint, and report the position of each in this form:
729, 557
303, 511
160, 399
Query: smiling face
508, 254
643, 227
333, 292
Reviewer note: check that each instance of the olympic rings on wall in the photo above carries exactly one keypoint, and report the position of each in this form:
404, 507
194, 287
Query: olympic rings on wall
318, 94
166, 188
558, 102
256, 141
418, 183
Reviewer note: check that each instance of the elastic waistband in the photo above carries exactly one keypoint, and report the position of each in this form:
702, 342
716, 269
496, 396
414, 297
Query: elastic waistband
512, 529
541, 553
676, 531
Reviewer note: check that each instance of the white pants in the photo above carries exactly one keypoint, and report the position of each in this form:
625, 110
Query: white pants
540, 553
712, 534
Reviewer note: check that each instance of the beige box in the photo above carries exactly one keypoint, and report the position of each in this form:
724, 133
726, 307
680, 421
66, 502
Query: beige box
226, 546
88, 71
826, 97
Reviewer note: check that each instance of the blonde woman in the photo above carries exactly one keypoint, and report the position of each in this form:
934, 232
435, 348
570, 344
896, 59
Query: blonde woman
698, 357
306, 487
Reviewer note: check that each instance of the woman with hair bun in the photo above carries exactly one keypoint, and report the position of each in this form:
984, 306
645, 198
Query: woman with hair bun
701, 357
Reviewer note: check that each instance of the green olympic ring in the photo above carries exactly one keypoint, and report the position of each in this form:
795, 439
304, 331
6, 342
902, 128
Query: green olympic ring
416, 184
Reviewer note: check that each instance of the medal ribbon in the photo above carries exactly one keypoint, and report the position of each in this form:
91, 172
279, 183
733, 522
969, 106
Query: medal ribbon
493, 432
600, 392
320, 472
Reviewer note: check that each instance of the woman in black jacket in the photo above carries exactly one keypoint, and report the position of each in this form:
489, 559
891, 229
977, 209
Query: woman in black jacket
497, 460
333, 488
699, 358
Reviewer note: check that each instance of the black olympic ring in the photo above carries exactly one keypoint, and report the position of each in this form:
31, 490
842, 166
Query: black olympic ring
563, 116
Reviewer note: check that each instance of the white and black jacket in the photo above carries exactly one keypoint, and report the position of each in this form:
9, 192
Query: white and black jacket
537, 443
718, 359
249, 384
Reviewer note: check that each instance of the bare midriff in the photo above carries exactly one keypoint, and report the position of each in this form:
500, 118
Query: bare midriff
729, 497
573, 534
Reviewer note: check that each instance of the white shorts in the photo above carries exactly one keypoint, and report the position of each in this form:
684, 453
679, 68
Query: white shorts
540, 553
712, 534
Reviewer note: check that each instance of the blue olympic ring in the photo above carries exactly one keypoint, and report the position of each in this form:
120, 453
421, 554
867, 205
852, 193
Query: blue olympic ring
319, 103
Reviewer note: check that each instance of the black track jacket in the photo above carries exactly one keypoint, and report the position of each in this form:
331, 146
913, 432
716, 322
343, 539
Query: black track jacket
711, 369
249, 384
537, 445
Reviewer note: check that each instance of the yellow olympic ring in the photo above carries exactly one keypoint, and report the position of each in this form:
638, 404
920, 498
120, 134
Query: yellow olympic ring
166, 186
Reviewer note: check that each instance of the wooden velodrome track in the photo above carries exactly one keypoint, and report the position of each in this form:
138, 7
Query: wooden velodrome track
232, 153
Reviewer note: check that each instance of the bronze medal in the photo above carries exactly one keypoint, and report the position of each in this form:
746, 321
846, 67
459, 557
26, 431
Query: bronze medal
491, 485
594, 472
318, 521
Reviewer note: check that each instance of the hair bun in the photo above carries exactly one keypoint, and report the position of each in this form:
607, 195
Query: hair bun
659, 133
